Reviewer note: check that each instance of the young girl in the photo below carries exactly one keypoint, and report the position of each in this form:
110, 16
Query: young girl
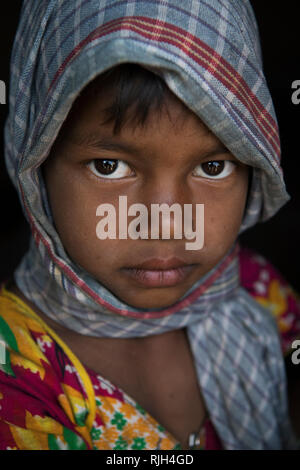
126, 343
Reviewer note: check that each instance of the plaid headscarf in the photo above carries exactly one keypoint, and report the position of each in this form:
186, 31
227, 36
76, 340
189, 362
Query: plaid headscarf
208, 53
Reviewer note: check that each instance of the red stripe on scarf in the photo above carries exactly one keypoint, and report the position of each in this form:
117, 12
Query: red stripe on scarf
199, 52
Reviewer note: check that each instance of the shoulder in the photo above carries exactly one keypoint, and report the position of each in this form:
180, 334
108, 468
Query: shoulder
50, 401
269, 288
34, 412
19, 332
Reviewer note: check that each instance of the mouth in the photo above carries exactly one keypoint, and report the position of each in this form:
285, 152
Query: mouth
159, 272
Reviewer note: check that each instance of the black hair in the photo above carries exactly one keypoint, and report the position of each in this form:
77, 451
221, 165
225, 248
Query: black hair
136, 91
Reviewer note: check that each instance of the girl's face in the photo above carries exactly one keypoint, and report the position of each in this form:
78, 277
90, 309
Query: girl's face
166, 161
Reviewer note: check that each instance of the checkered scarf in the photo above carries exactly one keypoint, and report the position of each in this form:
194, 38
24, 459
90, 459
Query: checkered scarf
208, 53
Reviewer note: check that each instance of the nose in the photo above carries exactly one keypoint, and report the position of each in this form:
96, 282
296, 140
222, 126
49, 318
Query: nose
165, 201
166, 221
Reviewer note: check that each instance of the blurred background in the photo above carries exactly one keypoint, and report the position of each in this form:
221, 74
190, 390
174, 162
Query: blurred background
277, 239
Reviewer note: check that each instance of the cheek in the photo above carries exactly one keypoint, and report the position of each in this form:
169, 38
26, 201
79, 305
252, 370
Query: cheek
72, 212
224, 216
73, 204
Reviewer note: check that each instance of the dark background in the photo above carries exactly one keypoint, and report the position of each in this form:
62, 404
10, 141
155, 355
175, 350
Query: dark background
277, 239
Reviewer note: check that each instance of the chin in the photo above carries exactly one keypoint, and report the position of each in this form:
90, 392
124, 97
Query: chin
153, 302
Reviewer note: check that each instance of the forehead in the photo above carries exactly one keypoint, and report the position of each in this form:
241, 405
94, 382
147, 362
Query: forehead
96, 110
172, 138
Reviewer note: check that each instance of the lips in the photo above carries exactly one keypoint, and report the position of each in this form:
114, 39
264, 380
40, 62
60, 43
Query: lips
159, 272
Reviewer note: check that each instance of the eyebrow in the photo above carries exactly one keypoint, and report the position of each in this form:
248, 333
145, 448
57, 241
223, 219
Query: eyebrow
106, 143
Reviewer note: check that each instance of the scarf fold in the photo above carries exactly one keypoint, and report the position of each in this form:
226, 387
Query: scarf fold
208, 53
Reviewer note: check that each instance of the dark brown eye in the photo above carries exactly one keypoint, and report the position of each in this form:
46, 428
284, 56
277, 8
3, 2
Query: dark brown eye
106, 167
110, 168
217, 169
213, 168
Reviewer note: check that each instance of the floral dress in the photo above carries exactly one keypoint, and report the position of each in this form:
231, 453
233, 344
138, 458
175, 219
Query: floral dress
50, 401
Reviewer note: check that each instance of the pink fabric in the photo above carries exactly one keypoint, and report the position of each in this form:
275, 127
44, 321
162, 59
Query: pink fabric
268, 287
